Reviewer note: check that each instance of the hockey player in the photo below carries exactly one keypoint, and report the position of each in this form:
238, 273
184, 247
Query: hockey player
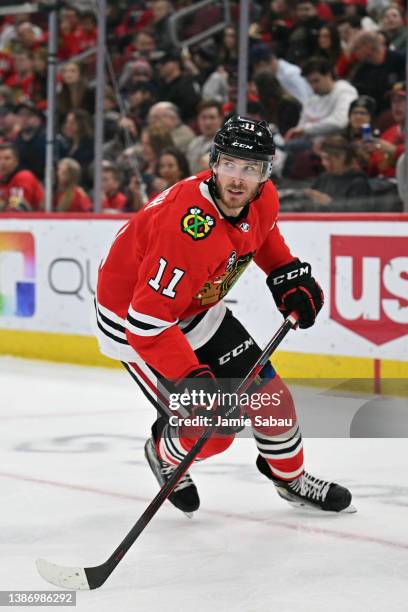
160, 309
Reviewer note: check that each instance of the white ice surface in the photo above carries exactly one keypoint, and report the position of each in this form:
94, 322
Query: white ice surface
73, 480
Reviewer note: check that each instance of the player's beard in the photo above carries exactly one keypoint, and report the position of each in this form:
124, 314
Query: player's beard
234, 195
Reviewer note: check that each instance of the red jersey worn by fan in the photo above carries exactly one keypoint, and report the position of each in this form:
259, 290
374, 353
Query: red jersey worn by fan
174, 261
78, 203
115, 201
21, 191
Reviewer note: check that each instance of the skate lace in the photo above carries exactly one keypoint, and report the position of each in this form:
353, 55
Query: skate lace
185, 481
310, 487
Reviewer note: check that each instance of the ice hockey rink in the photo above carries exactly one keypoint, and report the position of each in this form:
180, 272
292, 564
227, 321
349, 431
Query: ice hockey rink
74, 480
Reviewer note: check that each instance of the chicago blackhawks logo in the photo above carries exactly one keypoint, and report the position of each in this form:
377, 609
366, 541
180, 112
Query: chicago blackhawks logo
196, 224
216, 289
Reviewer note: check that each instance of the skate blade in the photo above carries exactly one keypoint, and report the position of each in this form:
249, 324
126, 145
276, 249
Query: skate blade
349, 510
189, 515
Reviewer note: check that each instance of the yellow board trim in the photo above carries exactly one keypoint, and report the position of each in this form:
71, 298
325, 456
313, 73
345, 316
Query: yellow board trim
354, 373
67, 348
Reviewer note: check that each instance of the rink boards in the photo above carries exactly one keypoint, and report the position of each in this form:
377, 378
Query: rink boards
48, 269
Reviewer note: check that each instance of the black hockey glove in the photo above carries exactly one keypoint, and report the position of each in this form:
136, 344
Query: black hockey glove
198, 383
294, 289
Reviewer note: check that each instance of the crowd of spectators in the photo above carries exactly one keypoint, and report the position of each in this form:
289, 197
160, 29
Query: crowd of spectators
328, 76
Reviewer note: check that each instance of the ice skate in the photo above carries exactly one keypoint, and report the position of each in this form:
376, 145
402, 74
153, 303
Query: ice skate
311, 492
185, 495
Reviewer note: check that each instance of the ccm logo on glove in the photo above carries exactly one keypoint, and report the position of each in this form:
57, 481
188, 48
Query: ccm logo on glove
304, 269
294, 289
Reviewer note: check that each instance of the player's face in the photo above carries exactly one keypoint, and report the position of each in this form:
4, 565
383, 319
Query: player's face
237, 182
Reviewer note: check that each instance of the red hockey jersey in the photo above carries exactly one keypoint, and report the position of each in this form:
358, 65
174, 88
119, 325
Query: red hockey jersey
161, 285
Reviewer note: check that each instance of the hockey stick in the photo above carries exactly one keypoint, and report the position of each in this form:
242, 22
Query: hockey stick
79, 578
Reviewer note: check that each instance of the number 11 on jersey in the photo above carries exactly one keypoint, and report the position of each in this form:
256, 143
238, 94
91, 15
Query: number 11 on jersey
168, 291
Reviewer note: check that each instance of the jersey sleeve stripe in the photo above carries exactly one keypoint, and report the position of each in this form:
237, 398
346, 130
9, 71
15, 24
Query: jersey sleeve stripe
136, 328
140, 324
113, 330
107, 321
112, 316
107, 333
144, 318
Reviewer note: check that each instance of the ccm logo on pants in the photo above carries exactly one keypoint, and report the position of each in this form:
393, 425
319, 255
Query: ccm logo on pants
236, 351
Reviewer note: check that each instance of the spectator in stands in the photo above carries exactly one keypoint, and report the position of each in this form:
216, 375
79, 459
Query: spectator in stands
22, 79
275, 25
125, 136
70, 197
168, 115
348, 28
386, 150
228, 50
111, 114
280, 108
162, 10
209, 120
176, 87
135, 193
200, 62
9, 126
230, 107
302, 42
28, 37
172, 166
140, 98
154, 139
113, 200
77, 142
379, 67
6, 96
289, 75
87, 31
40, 67
135, 72
20, 190
326, 111
341, 186
9, 35
75, 92
216, 86
69, 33
31, 141
329, 43
361, 111
392, 24
143, 46
6, 65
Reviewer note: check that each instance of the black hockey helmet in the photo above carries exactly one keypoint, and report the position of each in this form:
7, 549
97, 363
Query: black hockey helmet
247, 139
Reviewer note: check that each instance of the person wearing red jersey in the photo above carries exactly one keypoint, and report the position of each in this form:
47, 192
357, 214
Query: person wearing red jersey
113, 200
20, 190
22, 79
69, 196
160, 310
388, 148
